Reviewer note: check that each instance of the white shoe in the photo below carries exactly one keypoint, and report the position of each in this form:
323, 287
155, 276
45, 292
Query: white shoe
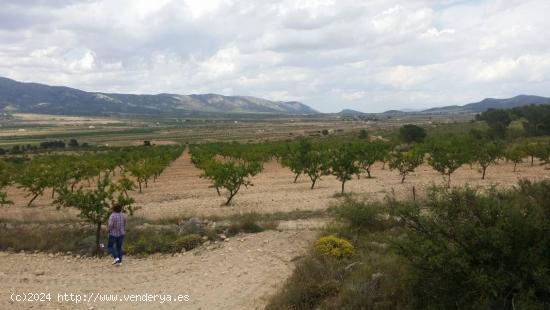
116, 261
118, 264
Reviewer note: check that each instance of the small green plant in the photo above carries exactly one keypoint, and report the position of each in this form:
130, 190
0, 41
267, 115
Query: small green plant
187, 242
334, 247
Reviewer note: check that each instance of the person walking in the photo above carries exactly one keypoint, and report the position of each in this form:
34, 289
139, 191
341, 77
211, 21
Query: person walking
116, 224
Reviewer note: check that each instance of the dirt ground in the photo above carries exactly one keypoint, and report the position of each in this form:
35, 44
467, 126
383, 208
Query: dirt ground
239, 274
180, 192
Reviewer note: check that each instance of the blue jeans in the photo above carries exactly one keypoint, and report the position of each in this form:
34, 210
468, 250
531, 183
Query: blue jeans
110, 243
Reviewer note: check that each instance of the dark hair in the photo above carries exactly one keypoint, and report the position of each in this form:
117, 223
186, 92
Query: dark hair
117, 207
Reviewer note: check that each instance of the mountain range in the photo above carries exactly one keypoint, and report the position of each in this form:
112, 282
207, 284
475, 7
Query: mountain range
44, 99
489, 103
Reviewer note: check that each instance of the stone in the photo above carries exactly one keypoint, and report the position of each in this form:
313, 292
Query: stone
191, 226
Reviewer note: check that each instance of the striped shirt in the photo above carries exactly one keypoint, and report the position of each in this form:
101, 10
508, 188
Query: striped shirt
117, 223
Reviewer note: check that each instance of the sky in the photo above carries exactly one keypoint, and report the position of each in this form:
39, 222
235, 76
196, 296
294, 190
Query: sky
370, 56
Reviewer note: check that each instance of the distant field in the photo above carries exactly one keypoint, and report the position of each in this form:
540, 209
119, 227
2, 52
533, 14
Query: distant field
120, 131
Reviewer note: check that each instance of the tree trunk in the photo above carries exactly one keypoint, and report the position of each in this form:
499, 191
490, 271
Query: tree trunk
449, 180
218, 191
296, 178
532, 159
343, 183
515, 164
139, 182
483, 172
97, 237
403, 178
313, 182
32, 200
368, 173
231, 195
53, 193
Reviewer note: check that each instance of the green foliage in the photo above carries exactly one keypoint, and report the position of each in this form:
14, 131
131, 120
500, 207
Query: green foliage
230, 174
363, 134
316, 165
542, 152
187, 242
342, 163
406, 162
412, 133
470, 250
536, 119
360, 216
6, 179
497, 120
296, 157
315, 279
35, 177
334, 247
448, 154
515, 153
95, 205
458, 249
487, 153
370, 152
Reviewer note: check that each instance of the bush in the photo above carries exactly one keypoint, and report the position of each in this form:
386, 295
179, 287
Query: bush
470, 250
246, 223
411, 133
459, 248
316, 278
361, 217
334, 246
188, 242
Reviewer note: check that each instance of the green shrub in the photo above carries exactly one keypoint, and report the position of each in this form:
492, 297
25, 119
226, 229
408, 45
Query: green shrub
334, 246
471, 250
360, 216
188, 242
316, 278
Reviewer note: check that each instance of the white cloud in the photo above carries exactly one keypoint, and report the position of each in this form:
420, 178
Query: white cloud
365, 55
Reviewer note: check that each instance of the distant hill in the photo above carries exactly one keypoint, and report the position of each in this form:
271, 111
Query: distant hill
489, 103
39, 98
350, 112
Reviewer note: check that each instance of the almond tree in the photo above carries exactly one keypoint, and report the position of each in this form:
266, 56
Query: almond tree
95, 205
295, 157
405, 162
316, 166
371, 152
342, 163
449, 154
231, 175
34, 178
515, 153
487, 153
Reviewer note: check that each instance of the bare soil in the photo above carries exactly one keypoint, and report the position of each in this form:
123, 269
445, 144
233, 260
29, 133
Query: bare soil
239, 274
181, 192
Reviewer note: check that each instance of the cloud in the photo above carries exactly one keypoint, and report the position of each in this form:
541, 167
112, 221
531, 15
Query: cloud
366, 55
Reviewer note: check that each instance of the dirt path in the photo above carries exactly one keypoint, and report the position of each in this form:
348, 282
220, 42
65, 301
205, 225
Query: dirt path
239, 274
